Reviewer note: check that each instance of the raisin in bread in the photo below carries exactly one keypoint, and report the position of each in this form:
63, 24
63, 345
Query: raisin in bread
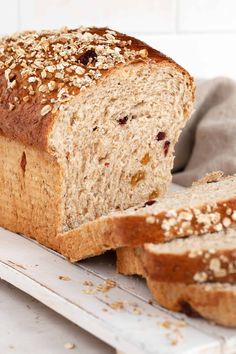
212, 301
89, 119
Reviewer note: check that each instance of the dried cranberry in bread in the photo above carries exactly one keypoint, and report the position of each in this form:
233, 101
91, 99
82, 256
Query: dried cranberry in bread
89, 119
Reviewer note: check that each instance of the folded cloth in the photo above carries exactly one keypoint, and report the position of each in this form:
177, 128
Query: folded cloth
208, 143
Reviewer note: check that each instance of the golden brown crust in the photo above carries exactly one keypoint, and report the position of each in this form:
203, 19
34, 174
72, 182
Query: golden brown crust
21, 100
128, 261
25, 124
30, 198
211, 302
133, 230
219, 266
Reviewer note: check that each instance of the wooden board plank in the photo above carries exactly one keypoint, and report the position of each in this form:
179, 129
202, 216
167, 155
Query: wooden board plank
137, 327
104, 266
27, 326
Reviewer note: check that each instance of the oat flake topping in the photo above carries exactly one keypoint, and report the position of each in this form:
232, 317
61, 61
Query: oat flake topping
58, 64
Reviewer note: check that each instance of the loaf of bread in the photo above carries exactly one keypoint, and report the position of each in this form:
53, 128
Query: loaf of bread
213, 301
89, 119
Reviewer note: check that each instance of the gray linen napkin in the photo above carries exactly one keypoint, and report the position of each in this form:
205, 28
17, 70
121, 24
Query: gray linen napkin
208, 142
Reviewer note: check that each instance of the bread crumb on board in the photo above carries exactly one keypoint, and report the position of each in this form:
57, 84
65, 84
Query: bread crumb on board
88, 283
117, 305
174, 335
103, 287
136, 310
106, 285
69, 345
64, 277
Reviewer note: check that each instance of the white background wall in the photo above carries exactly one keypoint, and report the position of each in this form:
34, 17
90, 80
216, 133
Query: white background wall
199, 34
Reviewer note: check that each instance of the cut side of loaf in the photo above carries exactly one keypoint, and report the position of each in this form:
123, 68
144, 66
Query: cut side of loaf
212, 301
210, 258
89, 119
201, 209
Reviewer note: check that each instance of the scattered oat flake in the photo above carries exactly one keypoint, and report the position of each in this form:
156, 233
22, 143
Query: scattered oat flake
45, 110
150, 219
137, 311
106, 286
117, 305
173, 341
181, 324
11, 106
38, 57
89, 291
166, 324
64, 277
175, 325
174, 337
143, 53
88, 283
69, 345
173, 328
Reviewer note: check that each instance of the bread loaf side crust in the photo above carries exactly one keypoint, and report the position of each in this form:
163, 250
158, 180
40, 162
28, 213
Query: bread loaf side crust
26, 112
128, 261
30, 195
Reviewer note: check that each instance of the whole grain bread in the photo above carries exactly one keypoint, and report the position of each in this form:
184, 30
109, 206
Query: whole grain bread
89, 119
205, 259
212, 301
210, 258
203, 208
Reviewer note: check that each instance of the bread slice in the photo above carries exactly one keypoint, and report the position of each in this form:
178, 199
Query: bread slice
210, 258
89, 119
203, 208
212, 301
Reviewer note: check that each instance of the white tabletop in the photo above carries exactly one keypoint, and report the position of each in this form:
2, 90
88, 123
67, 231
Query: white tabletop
27, 326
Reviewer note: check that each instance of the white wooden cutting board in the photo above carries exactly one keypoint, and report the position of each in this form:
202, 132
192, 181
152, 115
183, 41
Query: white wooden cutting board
137, 327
